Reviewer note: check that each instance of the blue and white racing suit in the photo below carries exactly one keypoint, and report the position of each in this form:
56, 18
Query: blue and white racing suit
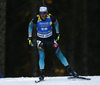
45, 38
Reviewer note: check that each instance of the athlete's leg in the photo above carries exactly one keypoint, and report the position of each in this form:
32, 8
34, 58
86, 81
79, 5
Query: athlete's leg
40, 46
55, 48
41, 58
62, 58
66, 64
41, 63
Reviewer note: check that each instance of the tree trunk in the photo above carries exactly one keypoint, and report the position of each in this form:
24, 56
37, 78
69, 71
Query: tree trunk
84, 37
2, 35
72, 34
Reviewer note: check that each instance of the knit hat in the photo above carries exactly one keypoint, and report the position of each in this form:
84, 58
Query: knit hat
43, 9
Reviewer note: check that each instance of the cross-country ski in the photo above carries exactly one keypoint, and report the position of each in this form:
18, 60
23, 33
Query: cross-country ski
79, 77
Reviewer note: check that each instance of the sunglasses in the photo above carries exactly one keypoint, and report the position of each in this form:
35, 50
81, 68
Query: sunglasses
42, 12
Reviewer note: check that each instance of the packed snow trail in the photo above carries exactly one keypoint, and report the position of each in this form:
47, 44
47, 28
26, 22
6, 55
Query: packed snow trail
95, 80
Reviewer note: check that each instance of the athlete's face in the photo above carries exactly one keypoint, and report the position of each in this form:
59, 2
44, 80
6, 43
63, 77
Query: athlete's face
43, 15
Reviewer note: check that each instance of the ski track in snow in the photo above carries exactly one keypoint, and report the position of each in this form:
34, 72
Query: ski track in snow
95, 80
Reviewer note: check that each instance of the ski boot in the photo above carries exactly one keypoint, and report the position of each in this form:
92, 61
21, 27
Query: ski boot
71, 72
41, 75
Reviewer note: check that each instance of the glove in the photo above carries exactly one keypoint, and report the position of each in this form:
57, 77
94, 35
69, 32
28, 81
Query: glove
30, 41
57, 37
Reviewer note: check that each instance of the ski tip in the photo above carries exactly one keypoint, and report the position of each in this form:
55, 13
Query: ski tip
69, 78
88, 79
38, 81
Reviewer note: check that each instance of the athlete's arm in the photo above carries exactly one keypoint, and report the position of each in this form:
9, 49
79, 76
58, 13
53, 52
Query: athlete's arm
56, 25
30, 28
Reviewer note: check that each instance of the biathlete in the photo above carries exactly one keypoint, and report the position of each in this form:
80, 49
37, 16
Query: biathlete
44, 22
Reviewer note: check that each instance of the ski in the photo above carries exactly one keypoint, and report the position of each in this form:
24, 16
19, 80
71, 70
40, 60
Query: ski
38, 81
78, 77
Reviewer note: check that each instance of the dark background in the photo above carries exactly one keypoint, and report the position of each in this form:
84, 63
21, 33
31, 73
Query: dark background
79, 24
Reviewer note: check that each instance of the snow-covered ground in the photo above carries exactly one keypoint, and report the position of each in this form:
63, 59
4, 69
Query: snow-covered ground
95, 80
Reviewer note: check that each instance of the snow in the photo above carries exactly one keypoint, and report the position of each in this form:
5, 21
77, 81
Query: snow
95, 80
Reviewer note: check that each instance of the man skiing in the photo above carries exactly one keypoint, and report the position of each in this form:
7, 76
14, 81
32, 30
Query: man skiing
44, 22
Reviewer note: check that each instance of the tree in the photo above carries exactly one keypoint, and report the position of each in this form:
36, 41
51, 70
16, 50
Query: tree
2, 35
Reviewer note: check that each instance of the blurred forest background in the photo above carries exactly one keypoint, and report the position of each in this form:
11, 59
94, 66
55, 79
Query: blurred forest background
79, 24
